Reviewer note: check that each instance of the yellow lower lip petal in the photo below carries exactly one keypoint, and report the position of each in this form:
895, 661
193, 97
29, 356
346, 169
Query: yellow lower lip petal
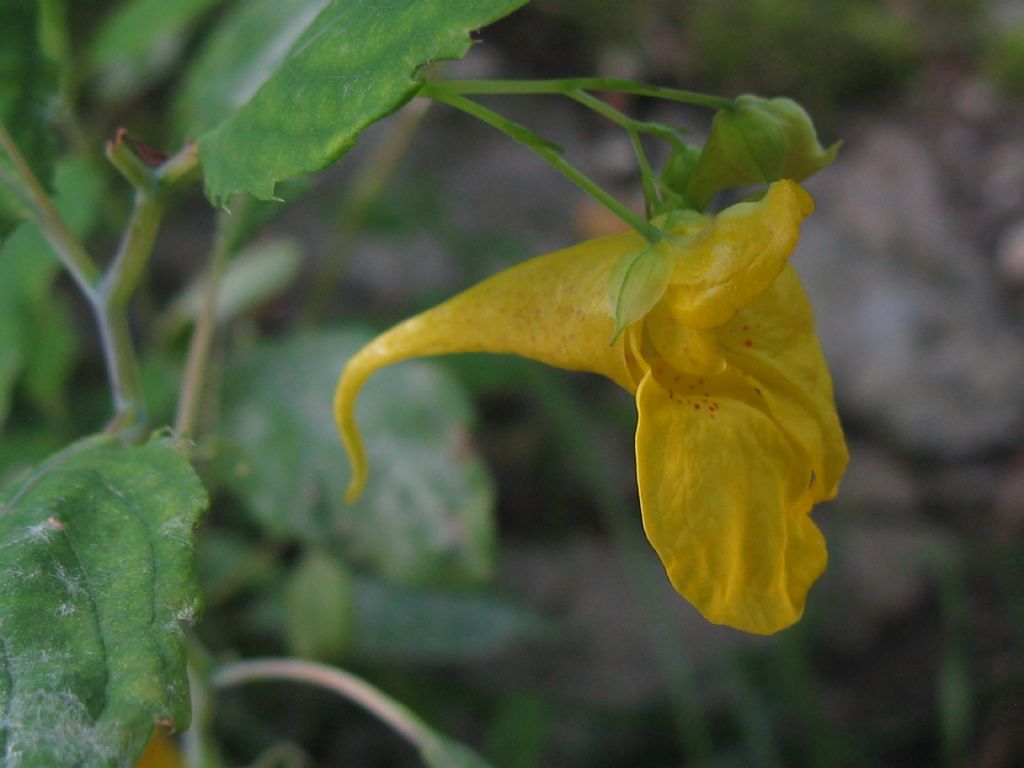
725, 505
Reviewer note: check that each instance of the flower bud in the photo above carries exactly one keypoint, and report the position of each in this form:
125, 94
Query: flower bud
758, 141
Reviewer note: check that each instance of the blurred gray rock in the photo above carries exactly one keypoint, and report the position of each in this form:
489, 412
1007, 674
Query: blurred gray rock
1010, 255
877, 573
493, 183
881, 550
877, 486
920, 347
606, 654
1001, 179
1009, 503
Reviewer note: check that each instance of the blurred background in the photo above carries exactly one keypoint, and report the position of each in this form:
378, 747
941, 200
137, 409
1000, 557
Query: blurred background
537, 624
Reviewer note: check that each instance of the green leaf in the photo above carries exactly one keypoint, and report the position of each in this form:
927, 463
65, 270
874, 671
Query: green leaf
398, 624
140, 41
240, 54
21, 449
300, 79
37, 337
318, 607
28, 86
97, 579
426, 515
637, 284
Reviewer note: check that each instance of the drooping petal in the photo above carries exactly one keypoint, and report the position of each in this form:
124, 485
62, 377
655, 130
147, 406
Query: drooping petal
725, 504
736, 255
553, 308
772, 339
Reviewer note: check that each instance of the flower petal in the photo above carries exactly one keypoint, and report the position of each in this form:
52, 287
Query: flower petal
772, 339
725, 504
736, 256
554, 308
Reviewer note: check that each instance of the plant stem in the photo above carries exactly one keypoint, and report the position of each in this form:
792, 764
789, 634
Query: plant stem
132, 257
108, 295
545, 150
399, 717
566, 86
129, 418
51, 224
632, 128
193, 380
624, 121
647, 178
110, 299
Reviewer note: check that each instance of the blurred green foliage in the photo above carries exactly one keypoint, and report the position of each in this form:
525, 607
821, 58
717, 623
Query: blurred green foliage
823, 53
401, 589
1004, 60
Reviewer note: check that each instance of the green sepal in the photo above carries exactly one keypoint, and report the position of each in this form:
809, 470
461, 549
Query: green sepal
637, 284
758, 141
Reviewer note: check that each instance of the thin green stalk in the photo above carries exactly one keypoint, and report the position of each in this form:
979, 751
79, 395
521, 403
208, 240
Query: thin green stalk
567, 85
632, 128
132, 257
110, 299
647, 179
109, 295
623, 120
548, 152
51, 224
358, 691
180, 169
572, 424
122, 371
194, 378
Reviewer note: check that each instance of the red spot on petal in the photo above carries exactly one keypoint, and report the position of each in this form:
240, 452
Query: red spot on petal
748, 343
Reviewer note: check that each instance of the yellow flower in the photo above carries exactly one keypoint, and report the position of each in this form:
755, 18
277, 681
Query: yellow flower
161, 752
737, 436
